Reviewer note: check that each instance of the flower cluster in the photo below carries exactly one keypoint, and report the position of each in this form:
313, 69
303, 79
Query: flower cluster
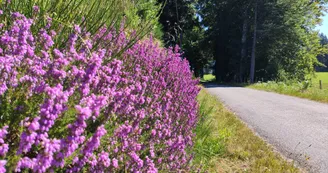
3, 148
91, 106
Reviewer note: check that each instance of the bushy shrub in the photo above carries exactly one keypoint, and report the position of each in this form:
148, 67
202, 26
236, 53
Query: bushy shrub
78, 109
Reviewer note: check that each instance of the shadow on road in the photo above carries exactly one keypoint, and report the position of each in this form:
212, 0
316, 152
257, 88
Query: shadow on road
222, 85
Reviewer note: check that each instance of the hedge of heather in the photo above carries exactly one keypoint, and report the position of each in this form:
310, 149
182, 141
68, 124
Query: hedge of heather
78, 109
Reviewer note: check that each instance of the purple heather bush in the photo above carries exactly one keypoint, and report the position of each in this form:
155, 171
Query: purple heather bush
93, 106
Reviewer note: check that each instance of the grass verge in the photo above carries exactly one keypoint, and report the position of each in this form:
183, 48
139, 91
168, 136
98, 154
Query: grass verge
224, 144
297, 90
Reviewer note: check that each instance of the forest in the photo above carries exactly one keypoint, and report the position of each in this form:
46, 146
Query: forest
249, 40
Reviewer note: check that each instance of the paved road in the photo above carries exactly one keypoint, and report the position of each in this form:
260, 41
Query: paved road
298, 128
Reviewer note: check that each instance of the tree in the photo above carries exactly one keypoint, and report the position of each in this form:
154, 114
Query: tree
243, 43
280, 44
181, 26
252, 70
177, 16
284, 37
323, 58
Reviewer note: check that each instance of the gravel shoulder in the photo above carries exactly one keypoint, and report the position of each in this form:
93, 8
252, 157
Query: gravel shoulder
298, 128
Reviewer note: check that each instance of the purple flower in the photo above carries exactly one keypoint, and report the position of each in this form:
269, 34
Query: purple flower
3, 146
103, 158
115, 163
77, 29
25, 162
2, 166
36, 9
143, 103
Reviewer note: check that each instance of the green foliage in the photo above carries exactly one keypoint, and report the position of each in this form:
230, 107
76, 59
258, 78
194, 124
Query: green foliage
181, 26
196, 49
90, 15
323, 59
143, 12
301, 17
287, 43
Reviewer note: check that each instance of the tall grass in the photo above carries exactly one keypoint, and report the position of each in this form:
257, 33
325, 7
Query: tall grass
91, 15
209, 143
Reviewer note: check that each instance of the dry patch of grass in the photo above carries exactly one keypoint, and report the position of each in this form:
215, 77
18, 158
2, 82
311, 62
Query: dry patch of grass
224, 144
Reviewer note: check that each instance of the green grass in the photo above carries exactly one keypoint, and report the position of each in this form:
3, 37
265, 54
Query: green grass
301, 89
208, 78
323, 76
225, 144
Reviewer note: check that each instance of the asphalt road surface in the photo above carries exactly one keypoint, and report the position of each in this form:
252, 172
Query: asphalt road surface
297, 128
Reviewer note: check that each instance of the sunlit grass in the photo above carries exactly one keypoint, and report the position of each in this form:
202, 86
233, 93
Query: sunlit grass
208, 78
312, 91
225, 144
323, 76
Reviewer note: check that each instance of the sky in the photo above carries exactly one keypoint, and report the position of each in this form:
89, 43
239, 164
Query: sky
324, 26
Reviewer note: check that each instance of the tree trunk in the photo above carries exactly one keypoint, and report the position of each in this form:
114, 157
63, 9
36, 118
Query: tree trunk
243, 45
252, 70
179, 29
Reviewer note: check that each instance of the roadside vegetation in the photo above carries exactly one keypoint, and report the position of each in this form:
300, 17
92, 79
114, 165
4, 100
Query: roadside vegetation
79, 96
101, 85
225, 144
323, 76
208, 78
309, 90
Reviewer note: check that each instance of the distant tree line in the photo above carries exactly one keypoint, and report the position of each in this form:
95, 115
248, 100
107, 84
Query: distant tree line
249, 40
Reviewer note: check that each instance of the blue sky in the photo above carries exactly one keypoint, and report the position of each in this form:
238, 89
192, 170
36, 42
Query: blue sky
324, 26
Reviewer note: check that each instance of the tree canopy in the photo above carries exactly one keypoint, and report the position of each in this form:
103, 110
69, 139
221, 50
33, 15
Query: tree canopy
182, 26
323, 59
276, 39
